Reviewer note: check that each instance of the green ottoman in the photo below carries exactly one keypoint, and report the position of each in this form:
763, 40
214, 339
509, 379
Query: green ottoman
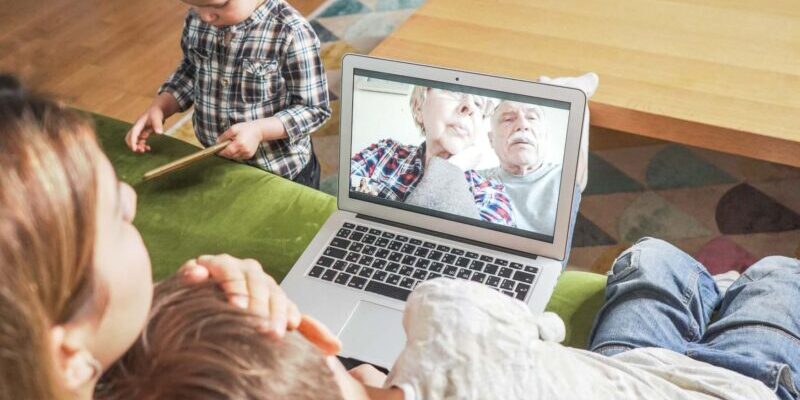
220, 206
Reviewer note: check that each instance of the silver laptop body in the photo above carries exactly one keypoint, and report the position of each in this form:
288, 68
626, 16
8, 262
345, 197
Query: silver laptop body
360, 298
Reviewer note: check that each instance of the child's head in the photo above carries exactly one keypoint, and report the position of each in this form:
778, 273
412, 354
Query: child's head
198, 346
221, 13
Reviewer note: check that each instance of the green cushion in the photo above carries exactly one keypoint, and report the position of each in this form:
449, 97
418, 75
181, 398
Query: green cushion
215, 206
577, 298
220, 206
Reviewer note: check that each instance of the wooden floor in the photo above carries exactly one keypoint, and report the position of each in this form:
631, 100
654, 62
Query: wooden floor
104, 56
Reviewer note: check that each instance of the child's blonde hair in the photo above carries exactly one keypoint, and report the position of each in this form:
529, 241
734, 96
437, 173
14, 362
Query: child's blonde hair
198, 346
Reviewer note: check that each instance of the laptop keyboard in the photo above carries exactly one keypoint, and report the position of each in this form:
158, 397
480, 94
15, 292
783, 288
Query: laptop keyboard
392, 265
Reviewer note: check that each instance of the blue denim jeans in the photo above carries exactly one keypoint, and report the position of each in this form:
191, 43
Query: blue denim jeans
659, 296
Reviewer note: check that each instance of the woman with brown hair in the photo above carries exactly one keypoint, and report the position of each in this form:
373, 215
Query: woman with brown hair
75, 280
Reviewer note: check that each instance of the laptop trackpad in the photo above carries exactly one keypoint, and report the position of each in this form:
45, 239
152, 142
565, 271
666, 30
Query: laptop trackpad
374, 333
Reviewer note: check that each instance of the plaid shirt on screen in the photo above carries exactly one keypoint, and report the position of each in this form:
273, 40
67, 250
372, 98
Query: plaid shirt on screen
267, 65
393, 170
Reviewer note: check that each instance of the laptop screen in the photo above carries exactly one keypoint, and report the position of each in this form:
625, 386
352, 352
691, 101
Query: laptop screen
482, 157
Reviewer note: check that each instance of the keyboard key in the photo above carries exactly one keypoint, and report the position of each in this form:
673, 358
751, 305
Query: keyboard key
409, 260
476, 265
349, 225
343, 233
329, 274
472, 254
352, 269
316, 272
491, 269
340, 243
501, 262
531, 269
357, 282
353, 256
374, 231
450, 270
393, 267
429, 245
407, 283
408, 249
382, 242
379, 276
522, 290
387, 235
395, 245
508, 293
435, 255
478, 277
401, 238
421, 252
415, 242
516, 265
382, 253
325, 261
505, 272
362, 228
462, 262
464, 273
457, 252
507, 284
386, 290
422, 263
420, 274
436, 267
493, 281
334, 252
357, 236
366, 260
366, 272
369, 250
407, 271
433, 276
449, 258
342, 278
379, 263
487, 259
369, 239
523, 277
356, 247
339, 265
395, 256
394, 279
443, 248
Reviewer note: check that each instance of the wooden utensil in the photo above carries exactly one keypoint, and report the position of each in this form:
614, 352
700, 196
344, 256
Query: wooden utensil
185, 161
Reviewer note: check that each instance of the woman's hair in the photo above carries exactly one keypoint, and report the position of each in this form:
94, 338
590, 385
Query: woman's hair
48, 180
420, 93
198, 346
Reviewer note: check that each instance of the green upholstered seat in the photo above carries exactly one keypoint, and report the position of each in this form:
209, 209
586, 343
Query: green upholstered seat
219, 206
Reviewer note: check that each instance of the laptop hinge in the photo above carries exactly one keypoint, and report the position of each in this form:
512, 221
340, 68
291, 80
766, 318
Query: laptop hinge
448, 237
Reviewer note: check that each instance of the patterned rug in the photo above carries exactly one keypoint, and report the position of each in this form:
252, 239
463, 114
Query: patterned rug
726, 211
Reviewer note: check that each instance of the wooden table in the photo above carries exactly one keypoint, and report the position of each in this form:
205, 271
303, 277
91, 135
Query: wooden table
724, 75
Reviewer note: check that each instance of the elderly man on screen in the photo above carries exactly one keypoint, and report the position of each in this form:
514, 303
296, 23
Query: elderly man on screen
520, 139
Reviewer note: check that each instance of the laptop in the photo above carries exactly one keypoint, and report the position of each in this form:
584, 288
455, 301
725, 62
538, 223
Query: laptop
378, 246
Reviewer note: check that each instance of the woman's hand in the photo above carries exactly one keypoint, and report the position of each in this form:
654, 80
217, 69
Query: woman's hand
247, 285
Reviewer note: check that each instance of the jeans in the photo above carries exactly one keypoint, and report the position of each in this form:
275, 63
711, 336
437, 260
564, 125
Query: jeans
659, 296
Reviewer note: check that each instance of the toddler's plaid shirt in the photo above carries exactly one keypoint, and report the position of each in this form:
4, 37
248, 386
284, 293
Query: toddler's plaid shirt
394, 170
267, 65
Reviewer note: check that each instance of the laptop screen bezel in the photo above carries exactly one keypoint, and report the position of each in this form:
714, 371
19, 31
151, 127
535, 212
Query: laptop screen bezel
577, 103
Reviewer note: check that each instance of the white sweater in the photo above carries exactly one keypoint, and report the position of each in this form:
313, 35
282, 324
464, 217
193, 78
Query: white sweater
466, 341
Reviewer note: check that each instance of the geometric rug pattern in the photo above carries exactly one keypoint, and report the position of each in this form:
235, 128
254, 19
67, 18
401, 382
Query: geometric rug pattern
724, 210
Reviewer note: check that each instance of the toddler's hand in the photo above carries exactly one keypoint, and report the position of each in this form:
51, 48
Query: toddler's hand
245, 138
151, 121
